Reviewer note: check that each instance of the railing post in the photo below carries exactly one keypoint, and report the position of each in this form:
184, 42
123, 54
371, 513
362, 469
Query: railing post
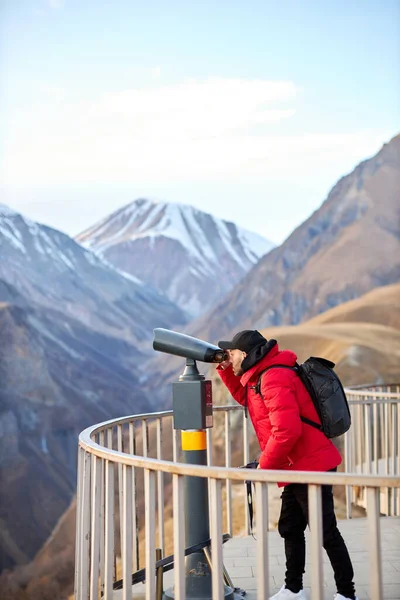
387, 457
102, 513
374, 543
78, 535
160, 490
347, 447
126, 542
96, 520
228, 455
209, 458
216, 541
368, 441
262, 541
398, 456
135, 528
376, 431
246, 460
120, 488
150, 532
179, 538
85, 528
109, 531
393, 465
315, 523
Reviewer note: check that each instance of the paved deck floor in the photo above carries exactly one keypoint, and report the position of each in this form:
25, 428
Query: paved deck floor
240, 561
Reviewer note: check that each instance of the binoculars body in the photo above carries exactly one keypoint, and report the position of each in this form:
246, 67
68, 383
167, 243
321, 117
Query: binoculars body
186, 346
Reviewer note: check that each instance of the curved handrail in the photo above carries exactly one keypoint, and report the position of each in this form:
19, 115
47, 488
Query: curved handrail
369, 393
108, 484
320, 478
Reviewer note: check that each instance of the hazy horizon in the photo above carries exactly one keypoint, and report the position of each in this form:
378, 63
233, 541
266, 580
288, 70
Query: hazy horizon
249, 112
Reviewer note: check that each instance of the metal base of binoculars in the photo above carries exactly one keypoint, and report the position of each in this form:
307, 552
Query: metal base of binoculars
198, 575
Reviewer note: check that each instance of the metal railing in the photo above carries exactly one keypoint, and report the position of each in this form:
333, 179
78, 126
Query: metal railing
372, 446
129, 478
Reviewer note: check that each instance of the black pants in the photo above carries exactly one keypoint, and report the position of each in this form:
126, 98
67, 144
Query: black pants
293, 521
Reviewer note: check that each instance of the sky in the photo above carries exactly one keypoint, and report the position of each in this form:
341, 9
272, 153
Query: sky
251, 110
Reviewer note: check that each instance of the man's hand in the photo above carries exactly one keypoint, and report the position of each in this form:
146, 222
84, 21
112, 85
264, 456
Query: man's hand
225, 364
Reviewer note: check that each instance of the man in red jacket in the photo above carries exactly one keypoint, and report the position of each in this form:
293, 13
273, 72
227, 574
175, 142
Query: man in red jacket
287, 442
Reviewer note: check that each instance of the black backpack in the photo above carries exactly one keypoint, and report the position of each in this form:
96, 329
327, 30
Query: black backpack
326, 392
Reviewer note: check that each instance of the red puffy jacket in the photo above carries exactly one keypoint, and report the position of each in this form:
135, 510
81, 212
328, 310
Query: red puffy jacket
285, 441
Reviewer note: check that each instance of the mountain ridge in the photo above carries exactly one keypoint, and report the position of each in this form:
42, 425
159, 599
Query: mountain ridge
52, 270
345, 248
187, 253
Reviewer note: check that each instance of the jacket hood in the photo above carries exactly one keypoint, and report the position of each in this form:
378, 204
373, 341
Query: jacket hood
273, 357
256, 354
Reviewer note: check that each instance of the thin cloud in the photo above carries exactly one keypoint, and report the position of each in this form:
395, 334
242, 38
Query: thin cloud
207, 108
216, 129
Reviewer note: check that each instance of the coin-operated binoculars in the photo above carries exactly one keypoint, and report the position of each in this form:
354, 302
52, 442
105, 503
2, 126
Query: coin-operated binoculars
193, 414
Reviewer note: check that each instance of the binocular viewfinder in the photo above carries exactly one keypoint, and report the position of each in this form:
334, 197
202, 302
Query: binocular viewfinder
179, 344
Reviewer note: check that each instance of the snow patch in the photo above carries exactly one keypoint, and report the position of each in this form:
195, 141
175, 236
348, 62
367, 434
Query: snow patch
43, 330
91, 258
202, 237
130, 277
45, 449
181, 223
15, 241
37, 244
66, 260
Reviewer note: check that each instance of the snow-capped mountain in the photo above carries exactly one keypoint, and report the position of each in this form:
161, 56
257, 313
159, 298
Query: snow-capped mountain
191, 256
50, 269
74, 335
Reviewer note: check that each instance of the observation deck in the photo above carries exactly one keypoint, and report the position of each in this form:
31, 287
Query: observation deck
130, 502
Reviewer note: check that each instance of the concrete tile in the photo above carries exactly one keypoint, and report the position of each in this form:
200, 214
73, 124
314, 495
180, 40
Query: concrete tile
240, 559
252, 561
247, 583
392, 577
391, 591
362, 592
241, 572
251, 595
235, 551
391, 556
240, 541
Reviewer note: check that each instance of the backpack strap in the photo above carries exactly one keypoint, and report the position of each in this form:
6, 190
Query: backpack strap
249, 494
295, 368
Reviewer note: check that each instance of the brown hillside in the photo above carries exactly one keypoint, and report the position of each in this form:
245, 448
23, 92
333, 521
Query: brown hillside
380, 306
55, 381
